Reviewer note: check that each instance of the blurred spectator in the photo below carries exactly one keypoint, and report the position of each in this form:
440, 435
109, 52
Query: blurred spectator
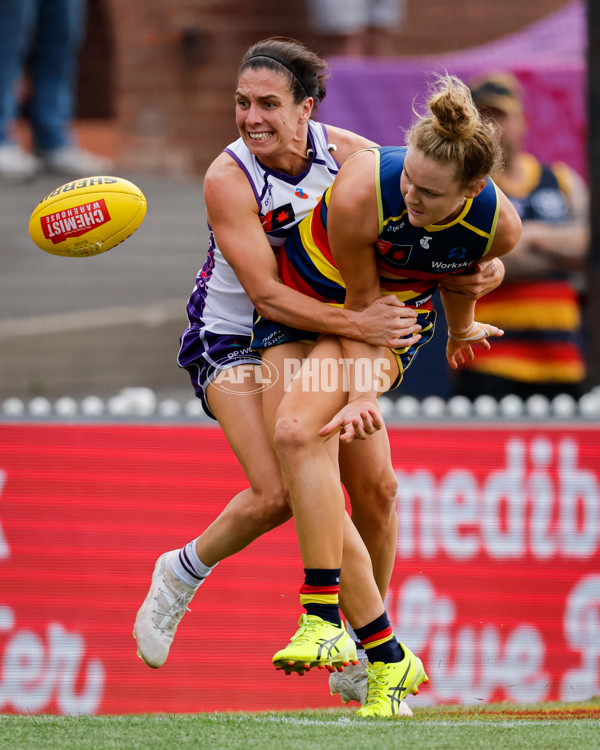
356, 27
48, 34
538, 304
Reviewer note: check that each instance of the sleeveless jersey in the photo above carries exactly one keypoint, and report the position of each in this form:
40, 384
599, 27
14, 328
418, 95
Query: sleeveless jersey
540, 317
411, 260
218, 302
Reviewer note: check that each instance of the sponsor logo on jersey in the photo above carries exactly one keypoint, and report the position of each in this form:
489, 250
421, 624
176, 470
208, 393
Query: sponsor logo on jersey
301, 194
395, 255
439, 265
278, 217
455, 259
457, 253
425, 242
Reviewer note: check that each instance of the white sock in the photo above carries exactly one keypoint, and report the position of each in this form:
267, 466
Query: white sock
188, 567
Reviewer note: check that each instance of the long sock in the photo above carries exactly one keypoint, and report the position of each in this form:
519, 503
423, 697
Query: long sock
187, 566
320, 593
379, 641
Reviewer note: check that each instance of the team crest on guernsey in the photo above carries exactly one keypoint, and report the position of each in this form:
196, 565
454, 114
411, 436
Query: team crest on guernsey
394, 255
278, 218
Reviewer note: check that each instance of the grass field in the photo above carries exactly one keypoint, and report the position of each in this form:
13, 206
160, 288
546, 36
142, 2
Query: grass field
548, 726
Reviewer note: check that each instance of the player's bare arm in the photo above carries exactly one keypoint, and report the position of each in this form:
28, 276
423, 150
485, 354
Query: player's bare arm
353, 227
463, 329
242, 240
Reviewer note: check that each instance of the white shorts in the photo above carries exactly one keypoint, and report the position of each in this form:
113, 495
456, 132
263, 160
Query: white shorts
351, 16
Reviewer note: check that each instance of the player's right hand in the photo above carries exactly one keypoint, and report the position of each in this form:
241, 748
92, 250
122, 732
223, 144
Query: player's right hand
388, 322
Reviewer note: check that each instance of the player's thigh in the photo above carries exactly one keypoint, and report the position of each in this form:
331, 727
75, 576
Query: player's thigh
280, 365
319, 389
239, 411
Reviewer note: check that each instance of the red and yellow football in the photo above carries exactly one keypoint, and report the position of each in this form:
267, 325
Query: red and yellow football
87, 217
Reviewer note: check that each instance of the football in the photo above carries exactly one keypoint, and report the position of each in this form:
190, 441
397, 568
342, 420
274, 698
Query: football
87, 217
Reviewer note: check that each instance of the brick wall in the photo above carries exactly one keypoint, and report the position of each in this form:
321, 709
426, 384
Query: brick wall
171, 64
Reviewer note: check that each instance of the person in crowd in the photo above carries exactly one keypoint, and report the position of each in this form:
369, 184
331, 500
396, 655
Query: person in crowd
48, 33
256, 191
356, 27
538, 305
395, 221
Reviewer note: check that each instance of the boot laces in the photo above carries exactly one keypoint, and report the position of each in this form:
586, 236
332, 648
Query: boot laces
171, 607
304, 632
376, 685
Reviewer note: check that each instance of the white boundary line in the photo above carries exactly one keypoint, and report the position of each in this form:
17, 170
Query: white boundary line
349, 720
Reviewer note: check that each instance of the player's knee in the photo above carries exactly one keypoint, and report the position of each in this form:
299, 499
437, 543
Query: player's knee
290, 436
380, 496
270, 508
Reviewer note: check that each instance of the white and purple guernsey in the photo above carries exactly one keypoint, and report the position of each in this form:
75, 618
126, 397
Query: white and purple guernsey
220, 313
219, 303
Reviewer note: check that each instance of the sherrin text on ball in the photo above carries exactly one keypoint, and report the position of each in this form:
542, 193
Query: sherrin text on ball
87, 217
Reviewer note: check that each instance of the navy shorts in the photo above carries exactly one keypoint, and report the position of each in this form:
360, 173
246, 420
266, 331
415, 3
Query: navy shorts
204, 355
265, 333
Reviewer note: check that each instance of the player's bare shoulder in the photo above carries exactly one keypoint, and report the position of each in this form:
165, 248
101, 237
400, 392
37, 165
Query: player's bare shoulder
346, 142
223, 170
225, 184
508, 228
357, 174
354, 194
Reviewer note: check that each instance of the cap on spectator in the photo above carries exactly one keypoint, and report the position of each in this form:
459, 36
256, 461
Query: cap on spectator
499, 91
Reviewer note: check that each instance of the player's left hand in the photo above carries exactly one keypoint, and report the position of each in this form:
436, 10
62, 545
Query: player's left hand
458, 348
482, 278
355, 421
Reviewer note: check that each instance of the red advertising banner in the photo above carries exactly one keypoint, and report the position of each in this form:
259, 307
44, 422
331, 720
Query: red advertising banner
496, 585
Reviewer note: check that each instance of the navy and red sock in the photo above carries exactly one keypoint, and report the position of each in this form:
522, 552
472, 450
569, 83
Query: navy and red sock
320, 593
379, 642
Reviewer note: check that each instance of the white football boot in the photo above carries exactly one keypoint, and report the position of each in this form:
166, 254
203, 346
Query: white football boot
351, 685
160, 614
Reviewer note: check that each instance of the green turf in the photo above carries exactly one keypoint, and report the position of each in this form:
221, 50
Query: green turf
548, 726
